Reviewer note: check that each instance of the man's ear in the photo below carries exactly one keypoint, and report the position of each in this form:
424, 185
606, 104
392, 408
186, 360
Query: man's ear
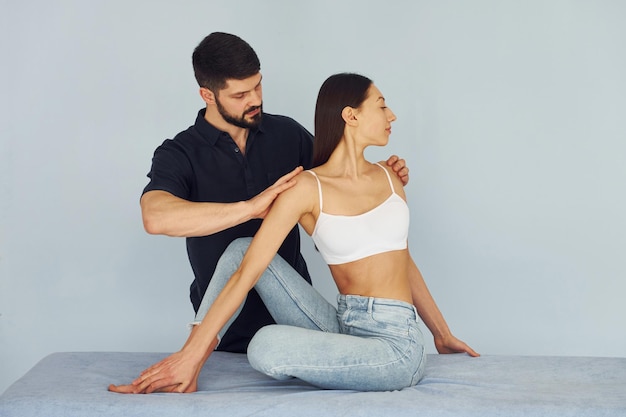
207, 95
348, 115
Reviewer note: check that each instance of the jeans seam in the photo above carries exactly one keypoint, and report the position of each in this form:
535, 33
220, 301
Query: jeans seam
282, 368
295, 299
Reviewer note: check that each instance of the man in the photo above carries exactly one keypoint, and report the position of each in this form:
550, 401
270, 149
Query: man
215, 181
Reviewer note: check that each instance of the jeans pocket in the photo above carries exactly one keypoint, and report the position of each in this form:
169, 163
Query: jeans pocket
391, 322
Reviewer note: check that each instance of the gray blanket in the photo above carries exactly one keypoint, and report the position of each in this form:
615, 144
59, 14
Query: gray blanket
75, 384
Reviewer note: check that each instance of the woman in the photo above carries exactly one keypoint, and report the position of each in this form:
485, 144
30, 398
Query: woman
357, 215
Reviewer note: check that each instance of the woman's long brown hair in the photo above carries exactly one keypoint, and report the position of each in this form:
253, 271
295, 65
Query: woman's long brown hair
337, 92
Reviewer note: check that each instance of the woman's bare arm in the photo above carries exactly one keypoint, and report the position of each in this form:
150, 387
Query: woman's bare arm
179, 371
445, 341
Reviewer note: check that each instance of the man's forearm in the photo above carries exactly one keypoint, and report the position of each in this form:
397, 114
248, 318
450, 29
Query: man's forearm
166, 214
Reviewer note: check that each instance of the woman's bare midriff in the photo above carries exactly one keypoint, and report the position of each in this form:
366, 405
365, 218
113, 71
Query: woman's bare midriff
383, 275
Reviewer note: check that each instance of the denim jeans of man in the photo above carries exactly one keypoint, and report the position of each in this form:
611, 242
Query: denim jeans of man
365, 344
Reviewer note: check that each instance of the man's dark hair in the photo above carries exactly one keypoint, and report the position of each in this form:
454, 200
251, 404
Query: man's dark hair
222, 56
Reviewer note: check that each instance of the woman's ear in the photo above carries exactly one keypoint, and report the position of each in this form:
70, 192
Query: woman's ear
348, 115
207, 95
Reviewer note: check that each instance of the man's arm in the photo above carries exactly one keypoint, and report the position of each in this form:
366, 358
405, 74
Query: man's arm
179, 371
165, 214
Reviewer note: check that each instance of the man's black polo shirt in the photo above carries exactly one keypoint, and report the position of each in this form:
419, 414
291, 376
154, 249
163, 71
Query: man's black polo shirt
204, 164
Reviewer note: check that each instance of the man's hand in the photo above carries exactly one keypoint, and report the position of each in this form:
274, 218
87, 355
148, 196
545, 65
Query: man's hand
262, 203
399, 167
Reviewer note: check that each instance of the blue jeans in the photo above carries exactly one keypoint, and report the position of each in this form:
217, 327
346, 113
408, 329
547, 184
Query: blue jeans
366, 344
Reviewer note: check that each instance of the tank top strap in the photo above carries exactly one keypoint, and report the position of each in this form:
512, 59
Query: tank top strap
388, 176
319, 187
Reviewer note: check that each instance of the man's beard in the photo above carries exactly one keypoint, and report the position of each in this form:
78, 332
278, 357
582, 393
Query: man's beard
241, 121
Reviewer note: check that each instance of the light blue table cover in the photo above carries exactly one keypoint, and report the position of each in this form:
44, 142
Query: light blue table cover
75, 384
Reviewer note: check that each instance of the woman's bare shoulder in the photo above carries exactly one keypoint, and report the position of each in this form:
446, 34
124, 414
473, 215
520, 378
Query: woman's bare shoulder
395, 180
304, 191
306, 181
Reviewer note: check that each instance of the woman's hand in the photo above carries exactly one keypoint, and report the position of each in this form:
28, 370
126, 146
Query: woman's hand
177, 373
451, 344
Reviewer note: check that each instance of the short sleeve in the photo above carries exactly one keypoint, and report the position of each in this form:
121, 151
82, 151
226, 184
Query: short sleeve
171, 170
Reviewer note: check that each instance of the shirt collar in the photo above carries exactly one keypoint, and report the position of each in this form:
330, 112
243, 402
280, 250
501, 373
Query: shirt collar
212, 134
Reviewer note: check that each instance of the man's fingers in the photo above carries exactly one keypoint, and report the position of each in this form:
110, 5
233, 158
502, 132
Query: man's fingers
263, 201
285, 182
392, 160
287, 177
285, 186
399, 165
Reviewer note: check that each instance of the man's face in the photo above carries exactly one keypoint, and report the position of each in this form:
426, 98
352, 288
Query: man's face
240, 103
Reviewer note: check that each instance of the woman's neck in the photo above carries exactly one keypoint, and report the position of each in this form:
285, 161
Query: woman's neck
347, 160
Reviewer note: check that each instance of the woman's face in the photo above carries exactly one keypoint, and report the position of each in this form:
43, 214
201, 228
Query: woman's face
375, 118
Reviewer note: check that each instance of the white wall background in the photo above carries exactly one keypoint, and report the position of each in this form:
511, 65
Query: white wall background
511, 115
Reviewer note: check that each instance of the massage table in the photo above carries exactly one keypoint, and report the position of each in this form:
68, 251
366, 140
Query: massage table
75, 384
